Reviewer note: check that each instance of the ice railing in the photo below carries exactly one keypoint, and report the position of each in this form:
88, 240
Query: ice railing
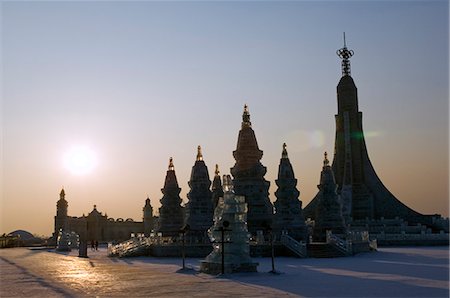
140, 245
345, 246
298, 247
131, 247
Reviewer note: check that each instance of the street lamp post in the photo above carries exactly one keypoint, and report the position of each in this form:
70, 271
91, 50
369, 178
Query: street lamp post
183, 252
272, 250
222, 230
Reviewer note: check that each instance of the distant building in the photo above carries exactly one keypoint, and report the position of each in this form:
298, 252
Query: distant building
98, 227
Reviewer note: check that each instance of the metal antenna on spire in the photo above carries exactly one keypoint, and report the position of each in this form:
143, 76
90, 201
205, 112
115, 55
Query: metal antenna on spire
345, 55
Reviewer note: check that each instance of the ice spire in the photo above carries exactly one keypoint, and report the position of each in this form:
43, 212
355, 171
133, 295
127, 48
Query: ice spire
326, 162
217, 190
284, 154
199, 153
171, 167
246, 117
217, 170
345, 55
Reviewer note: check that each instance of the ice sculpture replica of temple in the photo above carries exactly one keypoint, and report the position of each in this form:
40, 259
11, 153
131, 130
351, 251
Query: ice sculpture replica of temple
171, 213
229, 235
217, 190
248, 174
328, 212
288, 217
362, 193
199, 209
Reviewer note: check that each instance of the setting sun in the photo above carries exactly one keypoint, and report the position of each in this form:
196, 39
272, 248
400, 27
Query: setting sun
80, 160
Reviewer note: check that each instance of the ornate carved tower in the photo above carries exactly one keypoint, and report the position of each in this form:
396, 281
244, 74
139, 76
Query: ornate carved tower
199, 209
61, 213
288, 215
248, 174
148, 217
217, 190
329, 210
171, 215
363, 195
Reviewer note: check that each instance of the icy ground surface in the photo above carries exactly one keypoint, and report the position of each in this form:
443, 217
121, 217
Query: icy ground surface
390, 272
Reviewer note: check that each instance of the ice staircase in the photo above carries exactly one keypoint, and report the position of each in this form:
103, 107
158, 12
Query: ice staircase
332, 248
299, 248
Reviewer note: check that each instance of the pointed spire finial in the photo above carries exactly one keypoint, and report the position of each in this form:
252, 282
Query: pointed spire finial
345, 55
246, 117
217, 170
171, 167
326, 162
284, 154
199, 153
62, 194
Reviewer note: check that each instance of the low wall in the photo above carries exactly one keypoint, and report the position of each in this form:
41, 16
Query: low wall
411, 239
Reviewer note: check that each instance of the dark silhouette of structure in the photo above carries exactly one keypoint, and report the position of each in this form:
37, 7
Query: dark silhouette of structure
248, 174
288, 217
217, 190
328, 215
171, 213
362, 193
148, 217
199, 209
99, 227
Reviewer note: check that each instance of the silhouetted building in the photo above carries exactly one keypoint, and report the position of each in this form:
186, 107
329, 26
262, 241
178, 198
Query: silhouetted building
199, 209
248, 174
288, 217
97, 226
148, 217
171, 213
362, 193
328, 215
217, 190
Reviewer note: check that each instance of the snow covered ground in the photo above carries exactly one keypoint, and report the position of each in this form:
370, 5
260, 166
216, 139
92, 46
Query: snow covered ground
390, 272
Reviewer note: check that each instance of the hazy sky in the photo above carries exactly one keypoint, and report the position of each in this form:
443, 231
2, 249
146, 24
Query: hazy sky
139, 82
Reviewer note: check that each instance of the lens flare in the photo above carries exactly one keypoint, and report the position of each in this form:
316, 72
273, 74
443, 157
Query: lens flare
303, 140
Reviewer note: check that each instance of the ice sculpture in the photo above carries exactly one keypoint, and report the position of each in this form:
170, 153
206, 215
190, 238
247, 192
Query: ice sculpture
230, 236
63, 242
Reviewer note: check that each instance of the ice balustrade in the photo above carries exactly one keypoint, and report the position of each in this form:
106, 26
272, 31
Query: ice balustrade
345, 246
297, 247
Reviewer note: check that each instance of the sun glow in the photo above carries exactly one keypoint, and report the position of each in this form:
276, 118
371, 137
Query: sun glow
80, 160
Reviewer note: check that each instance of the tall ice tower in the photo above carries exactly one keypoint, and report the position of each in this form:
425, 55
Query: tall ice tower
362, 193
248, 174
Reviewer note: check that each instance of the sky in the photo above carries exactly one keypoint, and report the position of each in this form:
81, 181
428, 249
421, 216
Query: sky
135, 83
